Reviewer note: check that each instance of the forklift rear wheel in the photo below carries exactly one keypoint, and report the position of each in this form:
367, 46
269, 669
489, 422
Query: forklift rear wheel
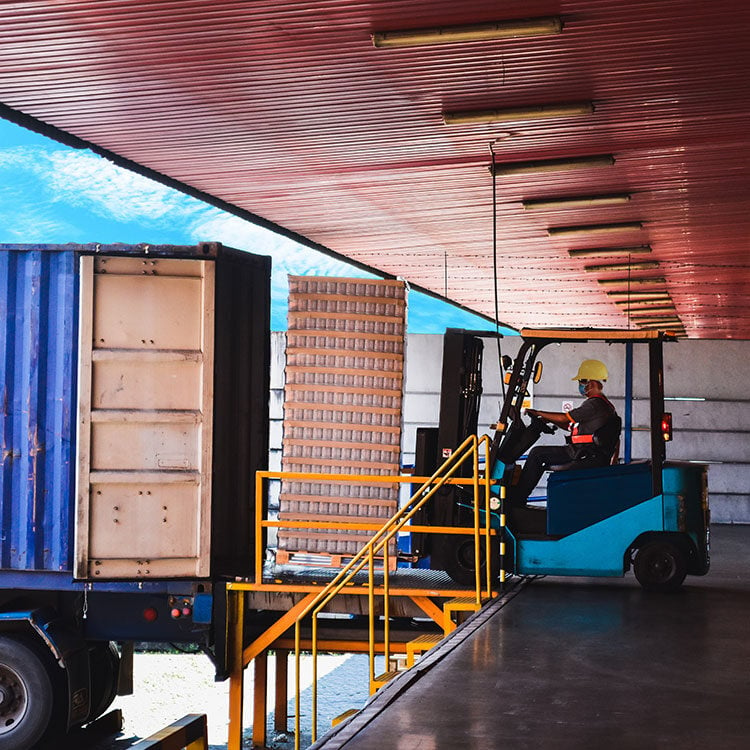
660, 566
460, 565
28, 689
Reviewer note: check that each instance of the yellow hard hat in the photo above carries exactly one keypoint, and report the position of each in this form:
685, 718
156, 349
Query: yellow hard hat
591, 369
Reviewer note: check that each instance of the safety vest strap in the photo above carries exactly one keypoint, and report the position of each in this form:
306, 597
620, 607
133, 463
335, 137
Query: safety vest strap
577, 439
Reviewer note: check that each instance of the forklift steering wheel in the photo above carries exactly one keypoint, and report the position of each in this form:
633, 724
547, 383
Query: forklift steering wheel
542, 425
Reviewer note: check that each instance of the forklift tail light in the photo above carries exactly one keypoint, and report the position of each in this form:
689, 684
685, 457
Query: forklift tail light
666, 427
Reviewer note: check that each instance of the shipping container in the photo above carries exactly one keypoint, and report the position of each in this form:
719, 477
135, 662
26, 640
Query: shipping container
134, 385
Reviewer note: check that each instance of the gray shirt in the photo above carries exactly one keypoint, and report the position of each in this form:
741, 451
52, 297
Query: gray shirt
591, 415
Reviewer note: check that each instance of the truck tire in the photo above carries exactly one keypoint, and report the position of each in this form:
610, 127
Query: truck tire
104, 661
460, 563
28, 689
660, 565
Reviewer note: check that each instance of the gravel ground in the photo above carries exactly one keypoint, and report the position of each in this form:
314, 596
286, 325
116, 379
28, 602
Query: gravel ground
169, 686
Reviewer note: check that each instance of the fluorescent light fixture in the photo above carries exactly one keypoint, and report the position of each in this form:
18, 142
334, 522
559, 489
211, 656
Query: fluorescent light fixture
635, 305
539, 112
639, 294
584, 201
662, 323
648, 265
625, 281
609, 251
645, 312
475, 33
553, 165
650, 317
623, 226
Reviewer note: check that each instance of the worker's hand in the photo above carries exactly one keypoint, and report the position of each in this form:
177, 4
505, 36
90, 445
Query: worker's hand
532, 412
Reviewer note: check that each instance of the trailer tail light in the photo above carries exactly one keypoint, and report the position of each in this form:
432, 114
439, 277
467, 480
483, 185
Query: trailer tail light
150, 614
180, 607
666, 426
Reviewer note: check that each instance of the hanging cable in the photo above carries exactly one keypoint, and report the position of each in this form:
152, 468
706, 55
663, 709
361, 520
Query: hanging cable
494, 271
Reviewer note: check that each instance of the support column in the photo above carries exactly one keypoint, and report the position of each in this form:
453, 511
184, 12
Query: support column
281, 718
235, 624
260, 699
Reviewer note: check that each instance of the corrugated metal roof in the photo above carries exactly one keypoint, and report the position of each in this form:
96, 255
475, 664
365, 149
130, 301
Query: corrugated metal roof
287, 110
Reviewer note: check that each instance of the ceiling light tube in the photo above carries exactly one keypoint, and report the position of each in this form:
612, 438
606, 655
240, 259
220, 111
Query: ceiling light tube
625, 281
644, 312
584, 201
662, 319
666, 305
647, 305
608, 251
639, 295
649, 317
648, 265
623, 226
474, 33
553, 165
539, 112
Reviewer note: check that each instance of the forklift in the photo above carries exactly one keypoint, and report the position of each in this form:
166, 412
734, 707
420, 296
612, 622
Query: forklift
649, 514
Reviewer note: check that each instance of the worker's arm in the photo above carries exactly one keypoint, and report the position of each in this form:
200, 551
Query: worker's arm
559, 418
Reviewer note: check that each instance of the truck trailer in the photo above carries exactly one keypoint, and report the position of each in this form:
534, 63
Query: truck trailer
134, 386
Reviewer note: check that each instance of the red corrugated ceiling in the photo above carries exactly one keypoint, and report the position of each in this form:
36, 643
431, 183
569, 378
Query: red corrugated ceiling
287, 110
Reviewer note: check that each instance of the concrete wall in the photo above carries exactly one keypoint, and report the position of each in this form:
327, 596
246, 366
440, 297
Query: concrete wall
715, 429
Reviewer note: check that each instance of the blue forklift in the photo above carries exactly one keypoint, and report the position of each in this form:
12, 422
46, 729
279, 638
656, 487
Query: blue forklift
650, 514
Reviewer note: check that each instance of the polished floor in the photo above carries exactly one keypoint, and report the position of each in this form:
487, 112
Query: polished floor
582, 663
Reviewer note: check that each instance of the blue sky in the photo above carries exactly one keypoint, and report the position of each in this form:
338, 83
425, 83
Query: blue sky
51, 193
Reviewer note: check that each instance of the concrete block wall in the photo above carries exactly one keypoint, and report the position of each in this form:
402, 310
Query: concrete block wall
714, 429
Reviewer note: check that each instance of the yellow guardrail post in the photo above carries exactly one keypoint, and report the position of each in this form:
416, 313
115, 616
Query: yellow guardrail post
297, 691
386, 608
477, 545
487, 519
371, 608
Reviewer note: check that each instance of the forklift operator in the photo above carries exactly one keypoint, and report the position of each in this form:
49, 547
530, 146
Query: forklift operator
582, 422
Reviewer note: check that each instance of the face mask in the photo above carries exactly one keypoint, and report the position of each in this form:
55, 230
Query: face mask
582, 389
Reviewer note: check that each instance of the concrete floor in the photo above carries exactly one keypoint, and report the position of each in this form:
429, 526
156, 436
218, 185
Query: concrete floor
582, 663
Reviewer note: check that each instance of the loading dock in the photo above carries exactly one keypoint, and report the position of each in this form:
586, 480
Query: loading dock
581, 663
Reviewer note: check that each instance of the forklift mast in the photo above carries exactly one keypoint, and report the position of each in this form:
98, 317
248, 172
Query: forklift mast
460, 398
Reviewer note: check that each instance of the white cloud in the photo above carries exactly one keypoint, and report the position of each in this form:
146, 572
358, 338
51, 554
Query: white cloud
81, 179
288, 257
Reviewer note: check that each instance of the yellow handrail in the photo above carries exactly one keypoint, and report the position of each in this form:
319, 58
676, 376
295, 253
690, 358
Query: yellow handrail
379, 542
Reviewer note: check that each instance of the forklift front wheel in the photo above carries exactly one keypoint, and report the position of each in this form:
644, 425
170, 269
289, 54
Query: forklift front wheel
460, 559
660, 566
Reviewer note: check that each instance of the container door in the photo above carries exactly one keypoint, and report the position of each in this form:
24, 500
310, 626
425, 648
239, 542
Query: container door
145, 419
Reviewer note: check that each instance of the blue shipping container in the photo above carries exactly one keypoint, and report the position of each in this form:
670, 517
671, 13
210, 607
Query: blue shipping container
39, 331
38, 346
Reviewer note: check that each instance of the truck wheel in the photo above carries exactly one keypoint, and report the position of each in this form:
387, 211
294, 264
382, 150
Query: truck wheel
27, 694
104, 662
460, 562
660, 566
